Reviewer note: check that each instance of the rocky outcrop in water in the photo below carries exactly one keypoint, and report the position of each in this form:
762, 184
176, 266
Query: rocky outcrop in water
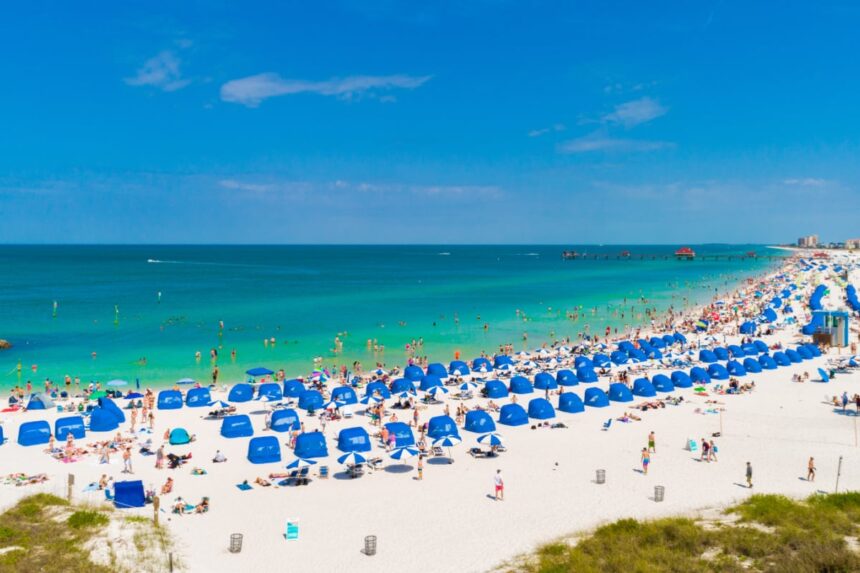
5, 344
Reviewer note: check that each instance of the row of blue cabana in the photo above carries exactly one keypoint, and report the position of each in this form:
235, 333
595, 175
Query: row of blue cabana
105, 417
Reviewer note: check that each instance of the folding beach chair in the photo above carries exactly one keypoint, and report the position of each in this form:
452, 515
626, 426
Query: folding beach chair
437, 451
606, 424
323, 472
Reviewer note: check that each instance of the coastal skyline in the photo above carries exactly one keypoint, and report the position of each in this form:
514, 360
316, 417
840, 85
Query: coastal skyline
480, 123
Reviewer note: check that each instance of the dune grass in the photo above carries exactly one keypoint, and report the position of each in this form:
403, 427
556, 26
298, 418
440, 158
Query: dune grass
766, 533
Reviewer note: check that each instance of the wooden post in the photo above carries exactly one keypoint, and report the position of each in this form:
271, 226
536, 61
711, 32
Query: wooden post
156, 502
70, 485
171, 563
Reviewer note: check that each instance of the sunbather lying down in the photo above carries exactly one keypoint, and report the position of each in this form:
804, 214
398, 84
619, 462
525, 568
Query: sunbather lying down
24, 479
181, 507
263, 482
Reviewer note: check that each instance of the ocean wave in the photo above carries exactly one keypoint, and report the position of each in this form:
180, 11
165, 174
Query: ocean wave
443, 254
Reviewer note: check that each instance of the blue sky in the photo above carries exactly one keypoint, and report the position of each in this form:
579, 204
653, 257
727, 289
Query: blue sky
429, 122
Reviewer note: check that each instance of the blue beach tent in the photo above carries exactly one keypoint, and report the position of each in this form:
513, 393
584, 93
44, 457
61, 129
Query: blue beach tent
102, 420
270, 390
496, 389
681, 379
73, 425
626, 346
767, 362
596, 398
680, 338
34, 433
259, 371
545, 381
640, 356
401, 385
618, 392
479, 421
600, 360
521, 385
377, 387
413, 372
718, 372
198, 398
128, 494
781, 358
285, 420
437, 369
735, 368
752, 365
804, 352
502, 359
541, 409
570, 403
458, 367
354, 439
584, 362
566, 378
721, 353
264, 450
39, 401
618, 357
657, 342
736, 351
668, 339
311, 445
344, 394
169, 400
586, 375
748, 327
478, 364
402, 433
111, 407
310, 400
750, 349
240, 392
662, 383
238, 426
430, 381
699, 375
793, 356
813, 349
707, 356
441, 426
293, 388
513, 415
643, 388
179, 436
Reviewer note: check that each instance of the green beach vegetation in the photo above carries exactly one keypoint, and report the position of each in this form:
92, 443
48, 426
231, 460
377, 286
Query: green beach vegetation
48, 534
765, 533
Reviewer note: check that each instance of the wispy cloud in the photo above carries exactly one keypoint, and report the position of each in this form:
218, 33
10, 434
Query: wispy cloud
636, 112
601, 142
545, 130
162, 71
252, 90
256, 187
806, 182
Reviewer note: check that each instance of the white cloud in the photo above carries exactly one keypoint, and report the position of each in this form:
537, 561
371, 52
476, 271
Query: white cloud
545, 130
601, 142
317, 189
252, 90
635, 112
806, 182
161, 71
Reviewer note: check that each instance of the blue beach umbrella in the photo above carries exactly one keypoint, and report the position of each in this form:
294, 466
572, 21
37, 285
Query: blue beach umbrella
403, 453
447, 441
300, 463
467, 386
371, 399
333, 405
436, 390
186, 381
117, 383
823, 374
133, 395
218, 404
352, 459
492, 439
406, 395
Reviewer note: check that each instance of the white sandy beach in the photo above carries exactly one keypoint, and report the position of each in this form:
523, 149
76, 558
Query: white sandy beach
449, 521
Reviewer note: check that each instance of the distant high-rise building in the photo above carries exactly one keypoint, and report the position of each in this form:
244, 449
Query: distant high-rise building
852, 244
809, 241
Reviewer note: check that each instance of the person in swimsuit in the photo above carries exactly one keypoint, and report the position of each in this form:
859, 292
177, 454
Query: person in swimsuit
646, 459
810, 470
652, 441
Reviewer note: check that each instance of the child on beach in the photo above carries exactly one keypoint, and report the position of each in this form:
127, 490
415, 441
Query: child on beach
646, 459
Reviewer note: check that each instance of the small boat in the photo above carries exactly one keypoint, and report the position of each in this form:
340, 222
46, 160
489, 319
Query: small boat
625, 254
685, 254
569, 255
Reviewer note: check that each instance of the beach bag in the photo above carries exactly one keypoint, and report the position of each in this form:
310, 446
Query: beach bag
692, 445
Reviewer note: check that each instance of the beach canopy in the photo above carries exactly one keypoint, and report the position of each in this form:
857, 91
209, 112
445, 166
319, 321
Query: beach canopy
285, 420
752, 365
513, 415
402, 433
626, 346
102, 420
458, 367
600, 360
439, 426
794, 356
583, 362
643, 388
111, 407
823, 374
179, 436
437, 369
767, 362
430, 381
310, 400
618, 357
311, 445
496, 389
718, 372
619, 392
39, 401
662, 383
721, 353
198, 398
681, 379
596, 398
292, 388
259, 371
586, 375
735, 368
169, 400
521, 385
680, 338
640, 356
570, 403
566, 378
34, 433
541, 409
413, 372
240, 392
354, 440
377, 387
128, 494
479, 421
264, 450
237, 426
804, 352
345, 395
813, 349
502, 359
781, 358
401, 385
736, 351
545, 381
73, 425
699, 375
760, 345
482, 364
270, 390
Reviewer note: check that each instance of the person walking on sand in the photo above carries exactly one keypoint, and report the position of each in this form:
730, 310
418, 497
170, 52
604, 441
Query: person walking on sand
646, 459
844, 401
712, 451
126, 460
749, 475
500, 486
420, 467
652, 442
810, 470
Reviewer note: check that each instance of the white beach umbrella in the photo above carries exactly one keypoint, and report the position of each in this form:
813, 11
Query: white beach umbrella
403, 453
491, 438
300, 463
352, 459
371, 399
218, 404
447, 441
467, 386
437, 390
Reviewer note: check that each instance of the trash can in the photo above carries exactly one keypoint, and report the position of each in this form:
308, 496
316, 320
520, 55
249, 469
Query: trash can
659, 492
601, 476
370, 545
235, 542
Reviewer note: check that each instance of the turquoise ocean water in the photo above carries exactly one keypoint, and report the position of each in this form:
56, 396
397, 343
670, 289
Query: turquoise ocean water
304, 296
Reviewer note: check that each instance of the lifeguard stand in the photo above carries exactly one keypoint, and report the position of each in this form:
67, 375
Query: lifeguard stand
834, 327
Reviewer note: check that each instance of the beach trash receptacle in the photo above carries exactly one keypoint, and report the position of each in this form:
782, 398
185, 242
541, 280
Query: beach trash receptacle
235, 542
370, 545
601, 476
659, 492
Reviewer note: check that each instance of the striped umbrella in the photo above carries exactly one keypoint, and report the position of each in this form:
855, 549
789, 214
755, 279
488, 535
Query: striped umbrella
218, 404
436, 390
492, 439
467, 386
332, 405
447, 441
403, 453
352, 459
371, 399
300, 463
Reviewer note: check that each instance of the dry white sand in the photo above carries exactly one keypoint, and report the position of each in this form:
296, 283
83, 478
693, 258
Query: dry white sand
449, 521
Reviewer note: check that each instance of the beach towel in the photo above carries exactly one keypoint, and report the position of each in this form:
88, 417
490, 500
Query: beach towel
244, 486
292, 532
